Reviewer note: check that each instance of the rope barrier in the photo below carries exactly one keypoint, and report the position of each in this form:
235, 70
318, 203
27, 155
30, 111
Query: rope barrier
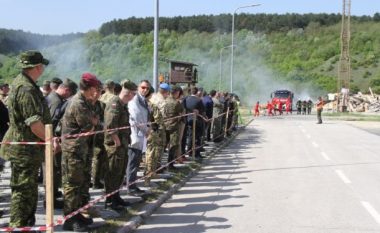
60, 221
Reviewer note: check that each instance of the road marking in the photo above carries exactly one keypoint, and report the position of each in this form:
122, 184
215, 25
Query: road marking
343, 176
372, 211
325, 156
308, 135
315, 144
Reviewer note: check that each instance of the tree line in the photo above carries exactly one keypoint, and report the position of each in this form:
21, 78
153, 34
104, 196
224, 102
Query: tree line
222, 23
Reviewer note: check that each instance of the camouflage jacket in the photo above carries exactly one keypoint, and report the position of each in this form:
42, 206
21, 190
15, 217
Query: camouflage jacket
155, 116
172, 108
107, 96
77, 119
26, 106
115, 116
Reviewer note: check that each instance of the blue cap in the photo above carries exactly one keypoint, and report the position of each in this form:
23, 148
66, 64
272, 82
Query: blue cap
165, 86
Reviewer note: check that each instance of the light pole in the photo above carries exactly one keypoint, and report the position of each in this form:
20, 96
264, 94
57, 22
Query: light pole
232, 40
220, 65
155, 52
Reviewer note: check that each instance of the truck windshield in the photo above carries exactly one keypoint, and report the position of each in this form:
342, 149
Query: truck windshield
281, 94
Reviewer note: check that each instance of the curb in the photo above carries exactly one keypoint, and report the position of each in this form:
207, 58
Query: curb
149, 208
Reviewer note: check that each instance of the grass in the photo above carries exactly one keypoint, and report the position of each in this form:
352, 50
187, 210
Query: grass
352, 116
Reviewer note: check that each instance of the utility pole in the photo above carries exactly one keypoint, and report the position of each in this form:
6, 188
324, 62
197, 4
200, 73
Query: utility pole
344, 75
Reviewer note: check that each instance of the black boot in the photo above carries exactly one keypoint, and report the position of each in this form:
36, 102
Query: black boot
75, 224
121, 200
87, 221
112, 203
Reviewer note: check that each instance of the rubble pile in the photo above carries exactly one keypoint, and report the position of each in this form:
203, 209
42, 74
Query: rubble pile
364, 103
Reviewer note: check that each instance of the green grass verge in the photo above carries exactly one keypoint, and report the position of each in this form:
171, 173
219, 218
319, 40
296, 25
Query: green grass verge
352, 116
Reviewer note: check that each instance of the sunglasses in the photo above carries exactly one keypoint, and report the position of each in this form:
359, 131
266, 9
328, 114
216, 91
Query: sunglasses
143, 87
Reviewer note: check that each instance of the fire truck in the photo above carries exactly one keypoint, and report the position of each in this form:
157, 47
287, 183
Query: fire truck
281, 96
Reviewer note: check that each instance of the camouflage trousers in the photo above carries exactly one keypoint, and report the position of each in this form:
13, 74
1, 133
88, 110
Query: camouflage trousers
24, 193
217, 130
154, 151
99, 164
173, 139
117, 160
76, 171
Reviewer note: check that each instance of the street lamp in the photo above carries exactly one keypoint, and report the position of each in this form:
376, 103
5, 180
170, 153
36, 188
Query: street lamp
232, 40
155, 50
220, 65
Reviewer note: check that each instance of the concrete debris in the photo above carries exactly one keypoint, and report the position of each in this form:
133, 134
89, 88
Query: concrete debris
364, 103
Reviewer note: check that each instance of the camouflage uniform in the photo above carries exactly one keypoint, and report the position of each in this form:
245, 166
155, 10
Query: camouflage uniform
75, 152
27, 106
99, 156
107, 96
116, 115
156, 140
172, 108
217, 131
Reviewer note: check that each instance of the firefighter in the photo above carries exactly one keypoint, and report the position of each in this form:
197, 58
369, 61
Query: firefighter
270, 108
288, 106
257, 109
299, 106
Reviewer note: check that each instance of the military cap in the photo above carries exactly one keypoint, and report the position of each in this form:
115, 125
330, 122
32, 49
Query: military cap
71, 85
46, 83
32, 58
56, 80
175, 88
91, 80
128, 84
165, 86
109, 83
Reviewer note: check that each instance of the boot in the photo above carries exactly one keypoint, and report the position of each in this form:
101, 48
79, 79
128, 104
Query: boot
74, 224
86, 221
114, 204
121, 201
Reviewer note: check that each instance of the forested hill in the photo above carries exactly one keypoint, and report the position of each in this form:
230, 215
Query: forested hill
14, 41
298, 52
265, 23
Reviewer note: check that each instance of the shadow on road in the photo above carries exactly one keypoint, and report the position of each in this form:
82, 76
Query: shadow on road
216, 186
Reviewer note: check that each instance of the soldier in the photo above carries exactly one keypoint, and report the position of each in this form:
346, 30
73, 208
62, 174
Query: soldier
319, 104
79, 117
46, 88
28, 114
109, 87
157, 138
172, 109
217, 131
116, 142
54, 83
4, 90
56, 100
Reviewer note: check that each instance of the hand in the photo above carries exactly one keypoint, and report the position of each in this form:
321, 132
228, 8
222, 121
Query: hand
56, 146
95, 120
117, 142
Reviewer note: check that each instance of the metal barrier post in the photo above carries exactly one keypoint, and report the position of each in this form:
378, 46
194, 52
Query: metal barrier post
193, 135
49, 177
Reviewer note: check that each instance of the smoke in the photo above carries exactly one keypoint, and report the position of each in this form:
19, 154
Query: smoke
67, 60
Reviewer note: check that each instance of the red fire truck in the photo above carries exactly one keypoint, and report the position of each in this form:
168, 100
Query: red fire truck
282, 96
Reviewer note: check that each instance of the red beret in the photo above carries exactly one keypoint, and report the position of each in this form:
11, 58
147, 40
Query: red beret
91, 80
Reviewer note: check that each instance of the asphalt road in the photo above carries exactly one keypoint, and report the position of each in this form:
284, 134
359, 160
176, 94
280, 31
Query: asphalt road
282, 175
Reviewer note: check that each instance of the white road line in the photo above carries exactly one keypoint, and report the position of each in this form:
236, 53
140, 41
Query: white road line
371, 211
325, 156
343, 176
315, 144
308, 135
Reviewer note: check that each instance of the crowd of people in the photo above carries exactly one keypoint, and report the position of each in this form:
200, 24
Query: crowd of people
277, 108
135, 119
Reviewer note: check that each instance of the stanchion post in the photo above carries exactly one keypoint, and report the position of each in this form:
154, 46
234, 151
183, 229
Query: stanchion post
193, 134
226, 126
49, 177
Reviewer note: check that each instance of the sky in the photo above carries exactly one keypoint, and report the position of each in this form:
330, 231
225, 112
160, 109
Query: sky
57, 17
